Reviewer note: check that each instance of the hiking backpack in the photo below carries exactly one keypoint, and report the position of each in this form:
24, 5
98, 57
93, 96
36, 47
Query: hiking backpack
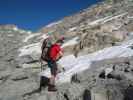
46, 49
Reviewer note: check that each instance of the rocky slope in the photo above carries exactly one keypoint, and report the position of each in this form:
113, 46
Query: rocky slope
96, 73
102, 25
14, 81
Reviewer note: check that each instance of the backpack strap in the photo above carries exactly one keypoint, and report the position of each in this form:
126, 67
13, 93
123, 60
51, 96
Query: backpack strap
44, 44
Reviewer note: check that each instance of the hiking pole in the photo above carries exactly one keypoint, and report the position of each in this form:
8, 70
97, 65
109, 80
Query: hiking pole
41, 64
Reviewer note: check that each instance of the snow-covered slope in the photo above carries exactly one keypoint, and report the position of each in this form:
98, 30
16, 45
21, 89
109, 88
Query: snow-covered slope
36, 47
70, 63
73, 65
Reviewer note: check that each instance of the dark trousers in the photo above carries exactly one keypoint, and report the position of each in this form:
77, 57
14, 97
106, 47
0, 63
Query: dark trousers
53, 67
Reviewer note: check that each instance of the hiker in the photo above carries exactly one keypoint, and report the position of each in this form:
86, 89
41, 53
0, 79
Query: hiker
46, 44
55, 54
50, 54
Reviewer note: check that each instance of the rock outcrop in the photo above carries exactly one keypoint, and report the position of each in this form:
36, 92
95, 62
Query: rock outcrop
87, 85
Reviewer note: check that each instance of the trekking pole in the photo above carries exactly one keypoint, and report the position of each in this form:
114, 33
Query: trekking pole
41, 64
41, 67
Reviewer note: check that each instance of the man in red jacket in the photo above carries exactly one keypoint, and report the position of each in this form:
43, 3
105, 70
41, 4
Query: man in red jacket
55, 54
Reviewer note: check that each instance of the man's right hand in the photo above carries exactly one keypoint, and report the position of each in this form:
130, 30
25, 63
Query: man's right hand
59, 56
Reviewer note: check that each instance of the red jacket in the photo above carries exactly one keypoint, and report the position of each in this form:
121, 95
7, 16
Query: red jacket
54, 51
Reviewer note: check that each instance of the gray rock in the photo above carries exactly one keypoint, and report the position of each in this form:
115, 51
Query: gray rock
13, 98
21, 76
17, 88
24, 59
44, 97
105, 93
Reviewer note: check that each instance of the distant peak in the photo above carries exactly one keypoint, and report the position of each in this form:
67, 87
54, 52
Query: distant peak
9, 26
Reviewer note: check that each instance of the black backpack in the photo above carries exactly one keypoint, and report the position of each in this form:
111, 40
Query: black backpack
46, 45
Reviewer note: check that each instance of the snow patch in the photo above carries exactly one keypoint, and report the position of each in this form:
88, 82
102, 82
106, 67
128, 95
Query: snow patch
74, 65
130, 17
67, 63
70, 42
127, 43
22, 31
98, 21
15, 29
72, 29
36, 47
29, 32
121, 15
31, 36
106, 19
52, 24
30, 49
131, 33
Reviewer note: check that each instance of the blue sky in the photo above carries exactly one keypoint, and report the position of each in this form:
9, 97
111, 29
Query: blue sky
33, 14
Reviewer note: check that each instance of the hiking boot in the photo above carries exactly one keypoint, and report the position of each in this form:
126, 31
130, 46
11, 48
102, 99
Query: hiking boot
52, 88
